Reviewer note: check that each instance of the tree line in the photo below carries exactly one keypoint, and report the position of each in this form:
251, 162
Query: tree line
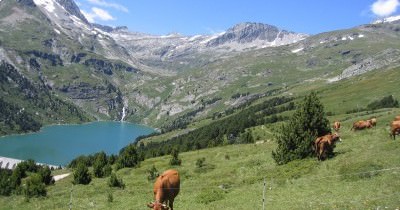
228, 130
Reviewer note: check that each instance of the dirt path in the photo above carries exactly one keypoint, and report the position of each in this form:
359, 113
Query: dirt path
61, 176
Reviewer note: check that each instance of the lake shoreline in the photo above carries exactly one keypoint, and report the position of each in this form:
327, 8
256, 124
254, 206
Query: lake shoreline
71, 124
58, 144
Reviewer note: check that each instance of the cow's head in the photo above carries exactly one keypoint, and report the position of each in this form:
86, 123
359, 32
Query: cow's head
336, 137
157, 206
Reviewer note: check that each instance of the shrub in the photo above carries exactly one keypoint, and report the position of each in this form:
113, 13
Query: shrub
100, 161
45, 175
175, 161
200, 162
107, 170
34, 187
227, 157
153, 173
295, 138
114, 181
80, 159
246, 138
128, 157
6, 185
82, 175
29, 166
385, 102
16, 177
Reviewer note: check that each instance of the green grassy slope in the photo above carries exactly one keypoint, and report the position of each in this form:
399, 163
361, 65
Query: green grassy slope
363, 175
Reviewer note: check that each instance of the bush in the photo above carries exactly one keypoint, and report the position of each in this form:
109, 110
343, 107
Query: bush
128, 157
107, 170
82, 175
100, 161
16, 177
45, 175
153, 173
175, 161
246, 138
200, 162
114, 181
295, 139
6, 185
34, 187
82, 159
385, 102
29, 166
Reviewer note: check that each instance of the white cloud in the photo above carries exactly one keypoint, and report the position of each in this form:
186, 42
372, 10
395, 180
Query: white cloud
102, 14
88, 16
384, 8
109, 4
97, 13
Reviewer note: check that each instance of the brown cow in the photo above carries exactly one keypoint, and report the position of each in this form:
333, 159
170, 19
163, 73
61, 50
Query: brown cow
395, 129
397, 118
324, 145
360, 125
166, 188
336, 126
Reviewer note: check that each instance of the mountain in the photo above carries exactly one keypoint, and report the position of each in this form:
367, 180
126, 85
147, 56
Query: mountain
266, 35
152, 49
170, 80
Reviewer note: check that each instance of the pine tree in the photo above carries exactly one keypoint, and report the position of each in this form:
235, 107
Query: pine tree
128, 157
82, 175
296, 137
175, 160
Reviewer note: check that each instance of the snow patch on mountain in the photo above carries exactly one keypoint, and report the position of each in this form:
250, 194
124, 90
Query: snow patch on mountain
387, 20
297, 50
47, 4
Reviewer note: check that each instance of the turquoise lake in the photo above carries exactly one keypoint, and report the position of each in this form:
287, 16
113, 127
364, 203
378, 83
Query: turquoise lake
59, 144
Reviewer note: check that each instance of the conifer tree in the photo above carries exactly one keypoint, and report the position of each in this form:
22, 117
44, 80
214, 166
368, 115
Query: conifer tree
295, 138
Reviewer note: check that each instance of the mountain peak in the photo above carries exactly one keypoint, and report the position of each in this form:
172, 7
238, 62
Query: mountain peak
73, 9
387, 19
251, 31
256, 25
29, 3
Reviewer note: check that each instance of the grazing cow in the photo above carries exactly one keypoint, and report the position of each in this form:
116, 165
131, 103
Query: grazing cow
323, 145
372, 121
336, 126
166, 188
397, 118
360, 125
395, 129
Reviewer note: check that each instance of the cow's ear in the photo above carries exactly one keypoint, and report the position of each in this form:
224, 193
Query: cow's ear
150, 205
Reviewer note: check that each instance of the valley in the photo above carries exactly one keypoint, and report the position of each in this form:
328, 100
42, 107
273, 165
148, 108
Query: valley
220, 100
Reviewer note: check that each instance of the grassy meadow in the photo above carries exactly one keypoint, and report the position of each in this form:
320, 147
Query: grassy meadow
364, 174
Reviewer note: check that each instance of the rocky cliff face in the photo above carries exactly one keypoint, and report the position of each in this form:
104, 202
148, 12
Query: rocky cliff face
73, 9
247, 32
178, 50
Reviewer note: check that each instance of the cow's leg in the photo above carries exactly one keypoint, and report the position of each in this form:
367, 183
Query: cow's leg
171, 204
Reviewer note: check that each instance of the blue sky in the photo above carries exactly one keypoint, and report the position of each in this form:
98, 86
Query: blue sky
191, 17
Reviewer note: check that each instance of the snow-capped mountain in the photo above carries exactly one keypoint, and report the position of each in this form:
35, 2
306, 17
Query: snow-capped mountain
241, 37
144, 50
387, 19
